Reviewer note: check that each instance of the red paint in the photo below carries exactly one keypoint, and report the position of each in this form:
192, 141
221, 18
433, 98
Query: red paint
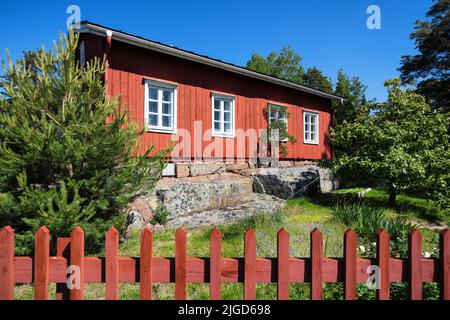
180, 264
146, 265
130, 65
215, 256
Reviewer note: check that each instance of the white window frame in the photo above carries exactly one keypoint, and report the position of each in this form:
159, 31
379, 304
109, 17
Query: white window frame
316, 115
221, 133
285, 118
160, 86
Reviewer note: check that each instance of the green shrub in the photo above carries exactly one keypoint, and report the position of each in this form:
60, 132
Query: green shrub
161, 215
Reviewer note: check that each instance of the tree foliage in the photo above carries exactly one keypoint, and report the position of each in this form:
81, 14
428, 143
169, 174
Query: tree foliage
287, 65
431, 66
401, 143
68, 154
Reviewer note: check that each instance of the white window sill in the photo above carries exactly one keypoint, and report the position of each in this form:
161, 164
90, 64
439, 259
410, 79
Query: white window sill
161, 130
311, 142
223, 135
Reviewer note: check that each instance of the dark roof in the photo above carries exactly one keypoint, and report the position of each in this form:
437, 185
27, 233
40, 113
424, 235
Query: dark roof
98, 29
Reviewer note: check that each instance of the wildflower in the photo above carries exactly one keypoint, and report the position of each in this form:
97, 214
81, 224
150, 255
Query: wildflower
426, 254
362, 249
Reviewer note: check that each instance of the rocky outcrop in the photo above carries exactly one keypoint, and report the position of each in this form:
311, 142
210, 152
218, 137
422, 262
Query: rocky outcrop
221, 198
289, 182
258, 204
195, 194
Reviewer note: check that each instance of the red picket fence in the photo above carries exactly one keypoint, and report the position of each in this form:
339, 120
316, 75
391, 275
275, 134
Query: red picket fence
113, 269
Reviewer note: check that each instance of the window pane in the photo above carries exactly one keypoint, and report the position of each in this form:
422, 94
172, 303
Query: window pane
313, 137
153, 120
226, 105
307, 128
306, 135
307, 118
313, 119
313, 128
227, 116
167, 95
216, 104
153, 106
217, 115
153, 94
166, 108
167, 121
226, 126
216, 126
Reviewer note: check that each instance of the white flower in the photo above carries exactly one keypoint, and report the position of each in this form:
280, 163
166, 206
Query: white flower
426, 254
362, 249
374, 244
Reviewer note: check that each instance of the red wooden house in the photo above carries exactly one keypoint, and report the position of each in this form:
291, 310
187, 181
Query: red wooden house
172, 92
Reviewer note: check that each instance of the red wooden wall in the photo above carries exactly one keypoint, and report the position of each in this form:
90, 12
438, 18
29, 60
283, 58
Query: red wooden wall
130, 65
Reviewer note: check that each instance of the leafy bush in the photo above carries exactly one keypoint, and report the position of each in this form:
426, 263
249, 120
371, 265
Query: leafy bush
161, 215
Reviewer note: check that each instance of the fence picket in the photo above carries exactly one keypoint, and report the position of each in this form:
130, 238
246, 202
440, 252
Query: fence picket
146, 264
415, 265
41, 263
444, 259
250, 265
180, 264
112, 264
383, 260
350, 243
283, 265
316, 265
215, 265
77, 260
7, 263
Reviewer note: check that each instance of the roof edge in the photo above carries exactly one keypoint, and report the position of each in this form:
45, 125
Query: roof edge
88, 27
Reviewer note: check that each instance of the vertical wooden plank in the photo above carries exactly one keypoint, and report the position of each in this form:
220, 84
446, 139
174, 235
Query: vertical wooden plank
180, 264
444, 259
215, 265
350, 243
383, 257
112, 264
283, 265
146, 264
63, 250
77, 261
41, 263
7, 263
316, 265
250, 265
415, 265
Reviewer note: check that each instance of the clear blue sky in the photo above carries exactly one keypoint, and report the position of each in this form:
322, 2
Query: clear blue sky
328, 34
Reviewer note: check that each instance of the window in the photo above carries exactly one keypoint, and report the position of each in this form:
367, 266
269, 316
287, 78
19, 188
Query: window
278, 113
160, 106
223, 115
311, 127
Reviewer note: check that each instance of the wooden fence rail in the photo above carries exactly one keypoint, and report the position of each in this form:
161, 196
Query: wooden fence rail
43, 269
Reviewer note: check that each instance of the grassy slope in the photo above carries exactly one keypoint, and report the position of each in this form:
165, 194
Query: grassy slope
299, 217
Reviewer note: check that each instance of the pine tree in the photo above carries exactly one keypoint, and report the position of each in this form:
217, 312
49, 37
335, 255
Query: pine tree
62, 164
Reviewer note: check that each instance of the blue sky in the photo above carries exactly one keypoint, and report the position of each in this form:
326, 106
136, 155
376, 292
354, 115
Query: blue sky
328, 34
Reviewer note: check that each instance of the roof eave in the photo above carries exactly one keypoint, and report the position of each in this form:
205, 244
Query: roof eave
87, 27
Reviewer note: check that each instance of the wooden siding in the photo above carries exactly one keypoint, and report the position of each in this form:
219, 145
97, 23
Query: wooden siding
131, 65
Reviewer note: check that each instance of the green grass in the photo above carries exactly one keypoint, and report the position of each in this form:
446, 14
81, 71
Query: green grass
299, 217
